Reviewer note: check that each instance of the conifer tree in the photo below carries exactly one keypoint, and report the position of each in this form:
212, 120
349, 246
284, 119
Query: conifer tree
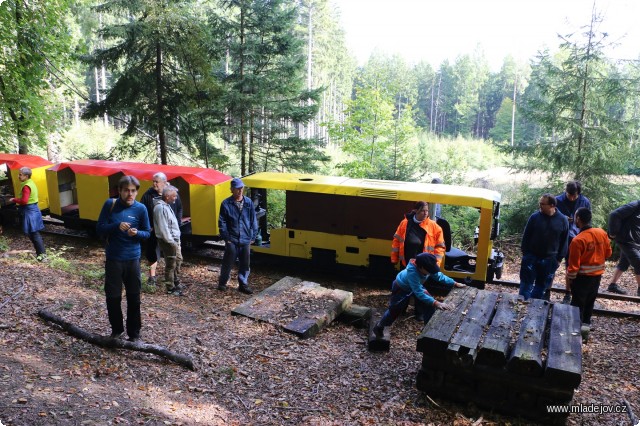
154, 53
266, 98
577, 99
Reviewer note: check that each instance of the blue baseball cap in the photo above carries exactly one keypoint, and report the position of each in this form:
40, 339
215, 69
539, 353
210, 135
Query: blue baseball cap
237, 183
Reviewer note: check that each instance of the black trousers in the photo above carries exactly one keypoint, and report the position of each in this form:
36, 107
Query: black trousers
117, 273
584, 291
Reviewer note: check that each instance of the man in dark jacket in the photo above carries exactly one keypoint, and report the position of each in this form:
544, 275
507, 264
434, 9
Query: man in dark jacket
238, 228
624, 229
568, 203
544, 245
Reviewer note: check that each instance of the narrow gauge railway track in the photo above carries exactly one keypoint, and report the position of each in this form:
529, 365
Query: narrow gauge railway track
596, 311
54, 228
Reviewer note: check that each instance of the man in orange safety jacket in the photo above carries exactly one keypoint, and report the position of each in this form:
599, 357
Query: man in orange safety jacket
586, 264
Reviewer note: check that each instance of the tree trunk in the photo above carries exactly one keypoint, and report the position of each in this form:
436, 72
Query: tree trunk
160, 106
243, 112
108, 342
513, 109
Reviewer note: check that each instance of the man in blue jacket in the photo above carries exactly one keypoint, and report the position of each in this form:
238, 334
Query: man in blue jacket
410, 282
238, 228
124, 223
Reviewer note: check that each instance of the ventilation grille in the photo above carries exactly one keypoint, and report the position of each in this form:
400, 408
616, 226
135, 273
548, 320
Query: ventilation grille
379, 193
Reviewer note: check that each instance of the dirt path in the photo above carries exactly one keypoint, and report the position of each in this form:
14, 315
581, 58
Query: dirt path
247, 372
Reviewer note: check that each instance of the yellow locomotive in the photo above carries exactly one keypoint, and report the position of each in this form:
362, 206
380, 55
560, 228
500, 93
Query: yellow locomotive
342, 221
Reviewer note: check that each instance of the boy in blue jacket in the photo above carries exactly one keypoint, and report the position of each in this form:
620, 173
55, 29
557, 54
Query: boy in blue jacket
410, 282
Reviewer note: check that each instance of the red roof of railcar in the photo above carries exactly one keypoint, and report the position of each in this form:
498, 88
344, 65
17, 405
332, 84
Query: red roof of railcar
144, 171
16, 161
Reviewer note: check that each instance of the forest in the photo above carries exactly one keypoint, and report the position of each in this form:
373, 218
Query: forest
245, 86
269, 85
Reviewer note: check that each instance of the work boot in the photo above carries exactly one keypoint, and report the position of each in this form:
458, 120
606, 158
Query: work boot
584, 331
222, 287
378, 331
115, 335
245, 289
615, 288
151, 281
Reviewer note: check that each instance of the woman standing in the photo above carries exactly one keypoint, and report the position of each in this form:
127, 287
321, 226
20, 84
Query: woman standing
30, 214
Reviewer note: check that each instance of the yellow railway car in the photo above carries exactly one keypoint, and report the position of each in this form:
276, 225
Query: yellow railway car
10, 164
79, 189
10, 185
342, 221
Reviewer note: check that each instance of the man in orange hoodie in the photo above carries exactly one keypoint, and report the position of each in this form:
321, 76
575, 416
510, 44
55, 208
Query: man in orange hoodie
587, 255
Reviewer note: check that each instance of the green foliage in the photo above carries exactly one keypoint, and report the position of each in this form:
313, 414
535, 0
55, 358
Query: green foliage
453, 158
265, 96
501, 132
89, 139
146, 288
228, 373
67, 305
4, 243
36, 44
56, 259
516, 207
163, 79
276, 208
463, 222
578, 101
378, 131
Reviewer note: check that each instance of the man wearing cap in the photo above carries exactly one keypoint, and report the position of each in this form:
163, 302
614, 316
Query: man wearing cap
238, 228
410, 282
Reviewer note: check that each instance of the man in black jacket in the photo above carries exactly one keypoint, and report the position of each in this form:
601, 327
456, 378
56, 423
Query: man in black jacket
544, 245
624, 229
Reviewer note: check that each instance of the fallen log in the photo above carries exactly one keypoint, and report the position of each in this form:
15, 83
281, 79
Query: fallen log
634, 419
108, 342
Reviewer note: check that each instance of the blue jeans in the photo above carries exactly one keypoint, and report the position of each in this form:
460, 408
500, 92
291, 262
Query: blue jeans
233, 251
536, 275
398, 303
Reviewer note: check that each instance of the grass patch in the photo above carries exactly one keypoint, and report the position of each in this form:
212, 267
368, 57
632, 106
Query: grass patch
4, 243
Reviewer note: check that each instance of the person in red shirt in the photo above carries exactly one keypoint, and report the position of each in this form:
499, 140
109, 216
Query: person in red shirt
586, 264
30, 215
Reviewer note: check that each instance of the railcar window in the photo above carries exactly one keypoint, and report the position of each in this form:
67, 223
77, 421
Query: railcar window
463, 222
276, 207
